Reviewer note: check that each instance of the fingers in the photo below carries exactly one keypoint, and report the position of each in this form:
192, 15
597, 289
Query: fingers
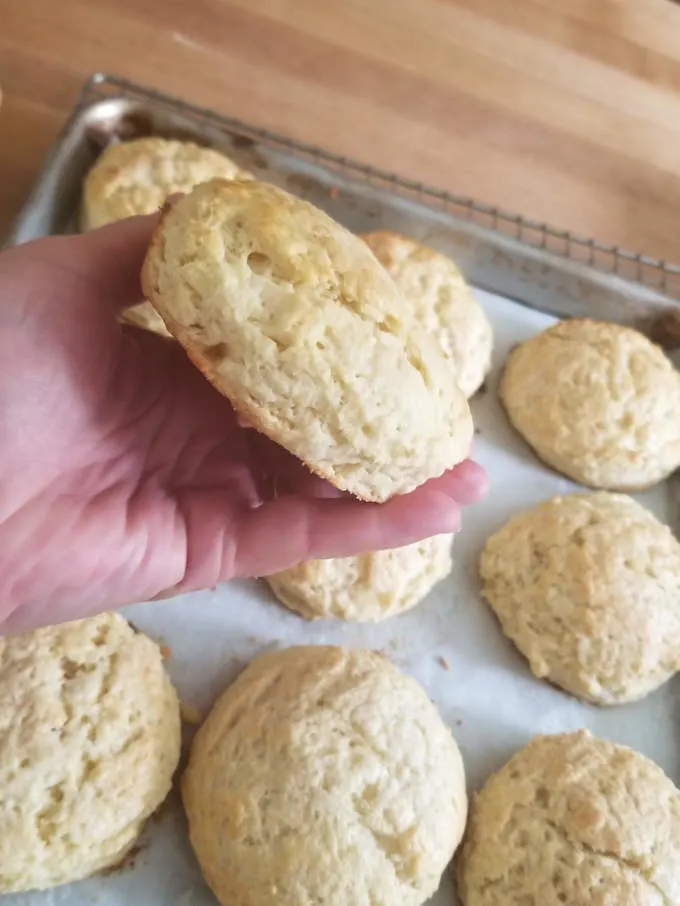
285, 474
280, 473
308, 485
113, 256
283, 532
107, 261
224, 542
467, 483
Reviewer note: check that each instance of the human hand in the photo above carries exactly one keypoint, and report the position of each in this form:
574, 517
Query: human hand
124, 476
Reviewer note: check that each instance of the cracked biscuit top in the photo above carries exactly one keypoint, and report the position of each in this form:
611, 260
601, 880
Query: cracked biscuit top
588, 588
598, 402
324, 775
294, 320
441, 302
89, 742
572, 819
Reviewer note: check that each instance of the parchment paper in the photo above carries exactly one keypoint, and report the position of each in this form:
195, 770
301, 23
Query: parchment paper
451, 643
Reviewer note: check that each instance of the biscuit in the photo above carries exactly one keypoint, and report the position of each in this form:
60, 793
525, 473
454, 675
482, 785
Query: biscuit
572, 819
441, 301
598, 402
292, 318
136, 177
588, 589
89, 742
368, 588
324, 775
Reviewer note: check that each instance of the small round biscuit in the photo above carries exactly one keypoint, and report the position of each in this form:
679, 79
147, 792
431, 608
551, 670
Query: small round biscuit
324, 775
588, 589
136, 177
572, 819
292, 318
598, 402
442, 303
89, 741
368, 588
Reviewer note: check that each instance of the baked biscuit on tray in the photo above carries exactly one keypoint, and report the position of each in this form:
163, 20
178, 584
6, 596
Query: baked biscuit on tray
442, 303
588, 589
574, 820
324, 775
368, 588
89, 744
598, 402
135, 177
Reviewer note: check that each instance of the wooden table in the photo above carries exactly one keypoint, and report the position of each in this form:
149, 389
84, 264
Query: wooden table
562, 110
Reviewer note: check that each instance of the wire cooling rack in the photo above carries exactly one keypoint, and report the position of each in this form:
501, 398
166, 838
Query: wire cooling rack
647, 271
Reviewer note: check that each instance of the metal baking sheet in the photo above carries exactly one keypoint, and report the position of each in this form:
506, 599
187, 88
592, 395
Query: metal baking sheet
451, 642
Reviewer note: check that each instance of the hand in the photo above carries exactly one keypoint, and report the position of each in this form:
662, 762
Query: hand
124, 476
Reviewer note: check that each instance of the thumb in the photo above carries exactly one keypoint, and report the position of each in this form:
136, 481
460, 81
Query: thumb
108, 260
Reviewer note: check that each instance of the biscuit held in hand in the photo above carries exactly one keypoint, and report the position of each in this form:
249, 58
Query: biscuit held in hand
125, 476
293, 319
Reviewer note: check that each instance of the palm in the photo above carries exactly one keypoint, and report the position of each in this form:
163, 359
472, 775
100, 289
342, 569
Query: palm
130, 475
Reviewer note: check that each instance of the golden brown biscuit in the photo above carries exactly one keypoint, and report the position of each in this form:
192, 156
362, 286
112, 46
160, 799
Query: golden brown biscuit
324, 775
441, 302
292, 318
598, 402
89, 742
572, 819
368, 588
588, 589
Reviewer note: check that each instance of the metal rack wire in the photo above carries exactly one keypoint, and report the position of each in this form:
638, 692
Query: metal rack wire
642, 269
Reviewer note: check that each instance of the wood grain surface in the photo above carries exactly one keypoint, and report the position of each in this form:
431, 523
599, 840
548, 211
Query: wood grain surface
562, 110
